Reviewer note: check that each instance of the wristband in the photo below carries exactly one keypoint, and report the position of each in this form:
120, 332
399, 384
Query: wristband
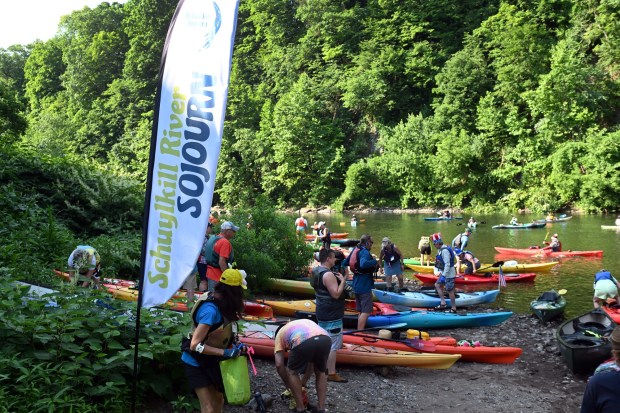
200, 347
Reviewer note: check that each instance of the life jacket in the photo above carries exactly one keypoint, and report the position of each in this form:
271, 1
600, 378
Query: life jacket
328, 308
439, 264
212, 257
354, 264
602, 275
457, 241
220, 335
390, 256
473, 257
300, 222
325, 235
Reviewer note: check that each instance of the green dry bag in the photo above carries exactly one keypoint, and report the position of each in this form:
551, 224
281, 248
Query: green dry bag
236, 380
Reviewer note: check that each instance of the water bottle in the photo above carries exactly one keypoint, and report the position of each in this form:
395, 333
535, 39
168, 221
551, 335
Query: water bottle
260, 403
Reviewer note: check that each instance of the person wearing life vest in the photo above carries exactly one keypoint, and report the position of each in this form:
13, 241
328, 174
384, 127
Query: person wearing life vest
329, 287
324, 235
201, 264
424, 245
363, 266
212, 338
219, 253
444, 268
468, 259
85, 260
555, 245
606, 287
393, 263
301, 224
461, 240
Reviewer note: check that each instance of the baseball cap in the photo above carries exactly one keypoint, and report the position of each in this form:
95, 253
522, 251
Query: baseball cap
321, 223
436, 238
468, 230
234, 278
555, 235
229, 225
385, 241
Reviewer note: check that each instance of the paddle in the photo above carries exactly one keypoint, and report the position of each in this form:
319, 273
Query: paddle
415, 343
495, 264
388, 327
562, 291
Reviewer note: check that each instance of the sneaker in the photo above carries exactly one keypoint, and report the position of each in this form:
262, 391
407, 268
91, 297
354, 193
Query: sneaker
336, 378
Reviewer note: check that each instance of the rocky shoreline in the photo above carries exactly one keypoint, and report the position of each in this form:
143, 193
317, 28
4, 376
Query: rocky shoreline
537, 382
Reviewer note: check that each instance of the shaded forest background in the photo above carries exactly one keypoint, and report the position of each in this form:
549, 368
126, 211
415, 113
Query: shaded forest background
382, 103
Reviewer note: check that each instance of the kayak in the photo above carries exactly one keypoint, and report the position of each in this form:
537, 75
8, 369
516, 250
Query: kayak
346, 242
311, 237
613, 312
480, 279
548, 305
416, 261
550, 221
441, 218
422, 319
486, 268
431, 299
542, 252
530, 225
443, 345
610, 227
583, 341
302, 288
263, 345
289, 308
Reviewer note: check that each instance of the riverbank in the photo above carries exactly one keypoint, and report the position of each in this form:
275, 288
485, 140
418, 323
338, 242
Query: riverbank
538, 382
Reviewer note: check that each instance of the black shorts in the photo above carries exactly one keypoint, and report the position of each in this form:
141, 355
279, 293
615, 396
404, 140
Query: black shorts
425, 250
206, 375
314, 350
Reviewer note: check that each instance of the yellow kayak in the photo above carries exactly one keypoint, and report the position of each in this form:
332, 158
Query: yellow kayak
518, 268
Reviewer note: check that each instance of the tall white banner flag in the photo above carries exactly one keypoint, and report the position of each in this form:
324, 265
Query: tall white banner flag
185, 147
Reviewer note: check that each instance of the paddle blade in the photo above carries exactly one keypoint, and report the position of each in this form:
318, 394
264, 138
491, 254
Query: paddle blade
562, 291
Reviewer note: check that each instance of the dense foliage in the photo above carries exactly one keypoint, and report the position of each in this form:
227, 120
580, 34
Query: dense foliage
377, 102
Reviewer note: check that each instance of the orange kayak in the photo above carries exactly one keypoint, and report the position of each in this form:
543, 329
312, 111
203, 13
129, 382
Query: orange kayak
311, 237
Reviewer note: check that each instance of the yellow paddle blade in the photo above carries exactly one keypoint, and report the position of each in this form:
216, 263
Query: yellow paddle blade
562, 291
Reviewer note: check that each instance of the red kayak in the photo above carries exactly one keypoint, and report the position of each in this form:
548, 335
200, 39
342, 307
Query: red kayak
443, 345
613, 312
480, 279
543, 252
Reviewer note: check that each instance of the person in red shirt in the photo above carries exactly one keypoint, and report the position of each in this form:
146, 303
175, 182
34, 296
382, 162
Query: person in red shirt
219, 253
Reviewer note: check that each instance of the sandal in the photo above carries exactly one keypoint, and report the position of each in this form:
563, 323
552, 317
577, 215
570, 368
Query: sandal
441, 307
452, 311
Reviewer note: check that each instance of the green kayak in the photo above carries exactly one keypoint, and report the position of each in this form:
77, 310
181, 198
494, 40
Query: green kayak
548, 305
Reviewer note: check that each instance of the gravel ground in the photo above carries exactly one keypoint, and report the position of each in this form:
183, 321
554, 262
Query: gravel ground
538, 381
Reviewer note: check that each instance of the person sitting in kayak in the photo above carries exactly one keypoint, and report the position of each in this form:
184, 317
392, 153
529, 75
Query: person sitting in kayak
605, 288
513, 221
555, 245
468, 259
550, 217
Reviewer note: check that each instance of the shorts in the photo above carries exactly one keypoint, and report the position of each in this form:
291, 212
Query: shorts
209, 375
447, 283
425, 250
334, 329
470, 267
605, 289
394, 269
314, 350
363, 302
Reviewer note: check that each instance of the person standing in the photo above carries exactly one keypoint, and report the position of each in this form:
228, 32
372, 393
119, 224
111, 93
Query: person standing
468, 259
363, 266
601, 394
424, 246
202, 259
308, 346
329, 287
605, 287
219, 253
324, 236
85, 260
393, 263
461, 240
301, 224
444, 267
211, 339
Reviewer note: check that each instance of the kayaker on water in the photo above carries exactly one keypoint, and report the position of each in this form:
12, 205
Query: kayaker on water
308, 346
555, 245
363, 266
605, 287
85, 261
444, 267
393, 263
468, 259
513, 221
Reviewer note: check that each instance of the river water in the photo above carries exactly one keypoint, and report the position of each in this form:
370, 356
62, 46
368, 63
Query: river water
582, 232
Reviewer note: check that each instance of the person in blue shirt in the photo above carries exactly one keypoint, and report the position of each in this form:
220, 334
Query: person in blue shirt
602, 395
212, 337
444, 268
605, 287
461, 240
363, 266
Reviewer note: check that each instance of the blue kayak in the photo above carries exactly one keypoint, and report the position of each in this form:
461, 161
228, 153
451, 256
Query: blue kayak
436, 319
431, 298
422, 319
